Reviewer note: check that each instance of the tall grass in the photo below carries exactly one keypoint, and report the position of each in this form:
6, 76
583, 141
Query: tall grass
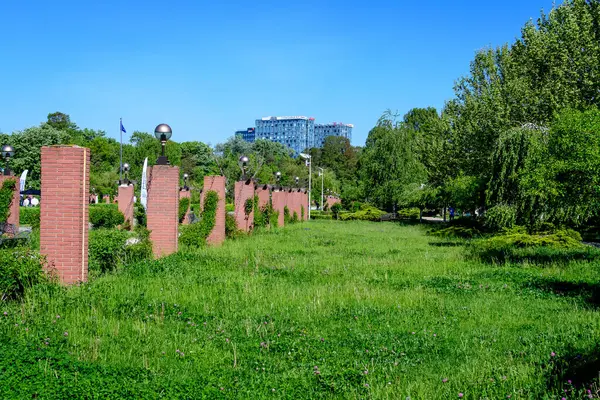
317, 310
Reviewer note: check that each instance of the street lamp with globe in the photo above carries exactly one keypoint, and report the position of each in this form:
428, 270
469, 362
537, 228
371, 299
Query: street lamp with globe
7, 152
163, 133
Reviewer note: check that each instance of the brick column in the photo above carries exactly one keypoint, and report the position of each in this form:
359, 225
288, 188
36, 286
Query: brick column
264, 195
278, 198
243, 190
185, 193
125, 202
217, 184
64, 211
163, 209
14, 210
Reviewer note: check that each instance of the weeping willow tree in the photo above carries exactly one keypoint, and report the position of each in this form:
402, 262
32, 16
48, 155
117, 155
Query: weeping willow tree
518, 176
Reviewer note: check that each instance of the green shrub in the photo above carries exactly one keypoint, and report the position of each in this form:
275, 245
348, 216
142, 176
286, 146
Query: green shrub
516, 245
20, 269
286, 215
140, 214
456, 231
194, 235
409, 213
231, 228
294, 218
500, 217
229, 207
366, 213
106, 249
29, 216
105, 216
184, 205
141, 250
6, 198
274, 218
302, 213
356, 206
320, 216
335, 209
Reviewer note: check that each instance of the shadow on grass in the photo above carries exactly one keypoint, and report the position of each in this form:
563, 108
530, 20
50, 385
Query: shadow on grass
446, 244
589, 292
535, 255
575, 372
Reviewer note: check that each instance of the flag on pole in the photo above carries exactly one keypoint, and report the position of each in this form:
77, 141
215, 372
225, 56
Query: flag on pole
144, 191
22, 180
123, 128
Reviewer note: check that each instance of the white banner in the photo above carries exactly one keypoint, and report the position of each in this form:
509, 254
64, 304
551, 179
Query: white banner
144, 191
22, 180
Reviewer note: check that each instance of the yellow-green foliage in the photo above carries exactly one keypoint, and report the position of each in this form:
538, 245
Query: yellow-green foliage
366, 213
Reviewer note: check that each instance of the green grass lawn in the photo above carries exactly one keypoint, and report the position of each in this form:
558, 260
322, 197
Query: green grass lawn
316, 310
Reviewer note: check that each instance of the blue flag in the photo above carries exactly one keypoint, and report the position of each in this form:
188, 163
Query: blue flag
123, 128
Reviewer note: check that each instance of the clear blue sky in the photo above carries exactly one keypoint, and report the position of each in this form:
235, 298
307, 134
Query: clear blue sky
210, 68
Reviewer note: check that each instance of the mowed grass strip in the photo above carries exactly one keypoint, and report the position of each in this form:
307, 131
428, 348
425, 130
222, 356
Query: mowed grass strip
316, 310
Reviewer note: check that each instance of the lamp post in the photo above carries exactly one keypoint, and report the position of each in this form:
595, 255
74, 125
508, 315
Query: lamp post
297, 180
185, 178
7, 152
125, 170
322, 175
163, 133
243, 163
278, 178
307, 157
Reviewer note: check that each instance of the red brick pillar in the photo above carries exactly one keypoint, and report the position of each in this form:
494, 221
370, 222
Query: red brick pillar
186, 193
278, 199
217, 184
163, 209
264, 195
14, 210
243, 190
125, 202
64, 216
106, 199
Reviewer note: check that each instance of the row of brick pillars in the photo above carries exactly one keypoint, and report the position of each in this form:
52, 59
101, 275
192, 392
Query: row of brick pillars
64, 212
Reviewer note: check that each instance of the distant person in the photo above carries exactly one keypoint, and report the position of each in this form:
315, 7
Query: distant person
26, 202
451, 209
35, 202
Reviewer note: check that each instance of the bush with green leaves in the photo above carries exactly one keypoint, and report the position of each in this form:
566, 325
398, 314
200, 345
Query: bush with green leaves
6, 198
105, 216
109, 248
20, 269
287, 218
229, 207
517, 245
106, 249
231, 228
302, 213
194, 235
139, 214
456, 231
335, 209
409, 213
29, 216
366, 213
500, 217
184, 205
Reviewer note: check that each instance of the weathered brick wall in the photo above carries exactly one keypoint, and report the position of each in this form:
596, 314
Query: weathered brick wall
14, 210
186, 193
64, 211
217, 184
264, 195
279, 200
163, 209
125, 201
242, 192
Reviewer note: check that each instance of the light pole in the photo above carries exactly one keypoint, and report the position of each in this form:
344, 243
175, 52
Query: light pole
243, 163
307, 157
125, 171
185, 178
322, 175
278, 178
163, 133
7, 152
